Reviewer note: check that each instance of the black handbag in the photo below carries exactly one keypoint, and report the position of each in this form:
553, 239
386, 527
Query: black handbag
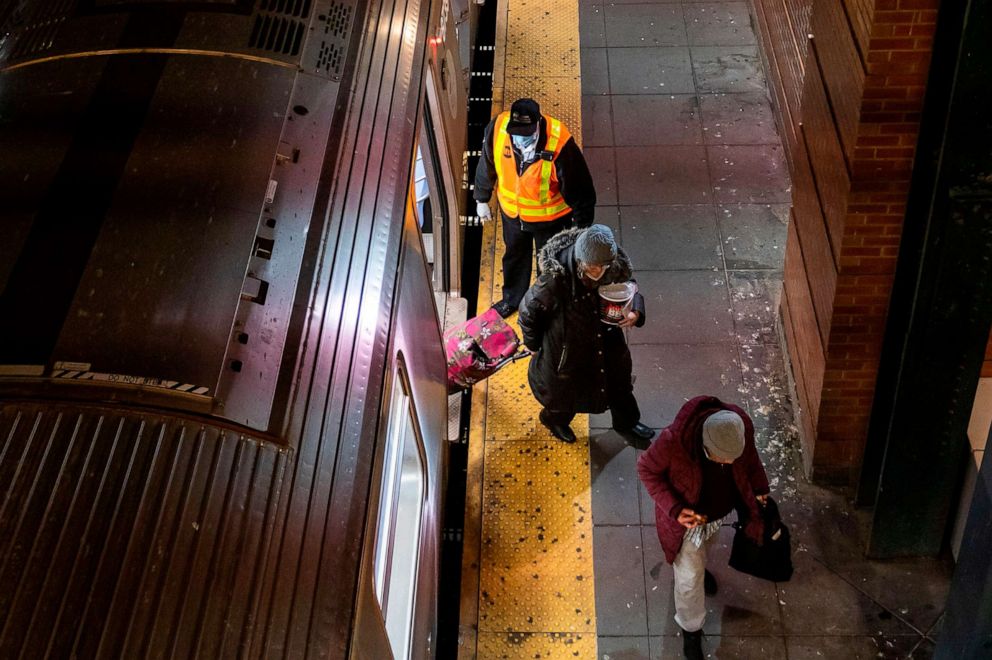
773, 559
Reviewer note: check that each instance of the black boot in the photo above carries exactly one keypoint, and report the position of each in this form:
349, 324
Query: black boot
639, 436
504, 308
692, 645
561, 431
709, 584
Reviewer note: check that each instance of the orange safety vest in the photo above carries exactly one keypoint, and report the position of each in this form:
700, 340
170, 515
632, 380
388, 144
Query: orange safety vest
534, 196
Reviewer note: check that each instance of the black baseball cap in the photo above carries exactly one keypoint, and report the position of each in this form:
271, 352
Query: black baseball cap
525, 116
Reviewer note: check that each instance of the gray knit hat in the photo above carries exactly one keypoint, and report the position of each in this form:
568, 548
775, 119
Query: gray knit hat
723, 435
596, 245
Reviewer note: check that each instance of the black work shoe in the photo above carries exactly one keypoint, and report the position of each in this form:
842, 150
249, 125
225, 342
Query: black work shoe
638, 436
692, 645
504, 308
561, 431
709, 584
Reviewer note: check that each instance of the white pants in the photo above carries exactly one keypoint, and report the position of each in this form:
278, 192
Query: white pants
689, 568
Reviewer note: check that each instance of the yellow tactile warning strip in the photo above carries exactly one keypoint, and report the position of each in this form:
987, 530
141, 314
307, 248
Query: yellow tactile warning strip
536, 549
528, 645
537, 55
527, 578
555, 98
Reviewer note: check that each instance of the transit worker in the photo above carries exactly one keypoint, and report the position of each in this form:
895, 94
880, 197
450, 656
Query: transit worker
701, 467
543, 186
580, 364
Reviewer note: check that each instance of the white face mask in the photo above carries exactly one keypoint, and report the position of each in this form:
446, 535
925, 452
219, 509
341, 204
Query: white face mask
596, 278
524, 142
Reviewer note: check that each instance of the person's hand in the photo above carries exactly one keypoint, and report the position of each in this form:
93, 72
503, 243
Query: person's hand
689, 519
482, 210
630, 320
762, 498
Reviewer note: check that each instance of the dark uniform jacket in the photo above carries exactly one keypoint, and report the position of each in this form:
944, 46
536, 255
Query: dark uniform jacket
574, 180
671, 470
578, 359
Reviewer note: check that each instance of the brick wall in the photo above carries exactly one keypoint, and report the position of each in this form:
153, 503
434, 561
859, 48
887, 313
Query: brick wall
783, 26
851, 143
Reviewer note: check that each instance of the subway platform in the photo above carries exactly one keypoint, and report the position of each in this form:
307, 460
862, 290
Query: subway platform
678, 129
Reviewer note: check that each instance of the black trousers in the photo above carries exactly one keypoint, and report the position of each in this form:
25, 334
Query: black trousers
623, 409
521, 246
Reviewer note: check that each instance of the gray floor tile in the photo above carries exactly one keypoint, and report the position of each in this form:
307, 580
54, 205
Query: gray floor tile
592, 28
614, 480
754, 235
635, 2
719, 24
854, 647
641, 120
766, 398
828, 530
667, 648
684, 307
727, 69
847, 611
668, 375
663, 175
601, 422
620, 608
657, 584
749, 174
595, 73
755, 298
610, 216
645, 25
730, 647
723, 648
925, 651
824, 525
738, 119
914, 590
662, 70
782, 461
647, 506
936, 628
623, 648
602, 166
597, 122
671, 237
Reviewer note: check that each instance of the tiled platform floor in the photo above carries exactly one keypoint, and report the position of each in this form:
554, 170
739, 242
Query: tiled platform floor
680, 136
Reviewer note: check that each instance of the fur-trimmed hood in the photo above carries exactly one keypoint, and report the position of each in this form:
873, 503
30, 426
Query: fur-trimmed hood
557, 258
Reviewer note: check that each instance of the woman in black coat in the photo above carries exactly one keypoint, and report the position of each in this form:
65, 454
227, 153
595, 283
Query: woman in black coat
581, 365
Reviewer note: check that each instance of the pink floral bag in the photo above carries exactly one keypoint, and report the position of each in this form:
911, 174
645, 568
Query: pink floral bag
478, 348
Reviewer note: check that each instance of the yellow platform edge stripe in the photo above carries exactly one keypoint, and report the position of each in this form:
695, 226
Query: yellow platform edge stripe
527, 564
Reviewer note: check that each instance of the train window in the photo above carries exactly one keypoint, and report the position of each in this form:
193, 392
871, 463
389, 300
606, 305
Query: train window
401, 507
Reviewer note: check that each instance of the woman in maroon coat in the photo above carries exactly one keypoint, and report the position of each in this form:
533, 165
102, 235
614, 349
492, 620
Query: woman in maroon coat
700, 468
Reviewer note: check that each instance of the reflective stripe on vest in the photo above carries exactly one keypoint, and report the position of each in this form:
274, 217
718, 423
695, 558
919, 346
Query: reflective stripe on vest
533, 196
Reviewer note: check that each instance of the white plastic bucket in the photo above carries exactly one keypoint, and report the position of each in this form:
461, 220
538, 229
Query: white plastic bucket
616, 301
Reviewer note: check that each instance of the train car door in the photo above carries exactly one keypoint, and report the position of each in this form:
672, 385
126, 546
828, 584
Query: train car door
397, 591
435, 189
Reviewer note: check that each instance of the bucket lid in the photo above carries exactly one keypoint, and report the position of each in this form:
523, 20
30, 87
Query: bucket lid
620, 292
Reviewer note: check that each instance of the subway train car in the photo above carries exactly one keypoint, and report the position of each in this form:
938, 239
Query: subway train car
227, 226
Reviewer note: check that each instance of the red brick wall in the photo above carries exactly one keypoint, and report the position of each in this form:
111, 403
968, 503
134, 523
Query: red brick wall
783, 26
851, 157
